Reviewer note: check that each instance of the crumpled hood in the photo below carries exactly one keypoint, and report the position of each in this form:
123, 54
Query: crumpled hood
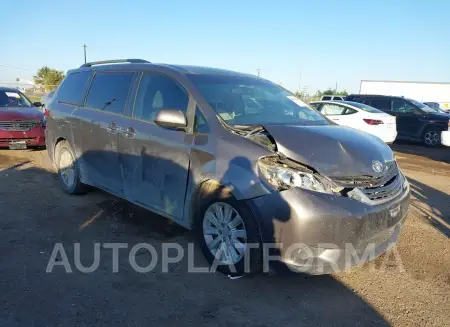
331, 150
20, 113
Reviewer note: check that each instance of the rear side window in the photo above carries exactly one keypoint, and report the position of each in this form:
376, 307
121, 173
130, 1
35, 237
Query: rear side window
331, 109
158, 92
109, 91
382, 104
326, 98
350, 111
315, 105
73, 88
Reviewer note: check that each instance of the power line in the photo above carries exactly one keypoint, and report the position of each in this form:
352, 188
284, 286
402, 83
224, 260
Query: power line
12, 67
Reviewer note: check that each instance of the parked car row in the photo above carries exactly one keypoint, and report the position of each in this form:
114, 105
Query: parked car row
236, 158
411, 119
415, 121
361, 117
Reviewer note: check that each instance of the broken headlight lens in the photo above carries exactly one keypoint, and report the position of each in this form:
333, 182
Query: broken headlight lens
283, 176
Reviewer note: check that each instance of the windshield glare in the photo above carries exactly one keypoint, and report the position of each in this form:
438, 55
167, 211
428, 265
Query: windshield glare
422, 106
13, 99
252, 101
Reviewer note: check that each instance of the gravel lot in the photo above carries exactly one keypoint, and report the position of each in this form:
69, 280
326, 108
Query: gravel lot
35, 214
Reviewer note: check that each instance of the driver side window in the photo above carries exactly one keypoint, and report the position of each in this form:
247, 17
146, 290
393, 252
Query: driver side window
402, 106
158, 92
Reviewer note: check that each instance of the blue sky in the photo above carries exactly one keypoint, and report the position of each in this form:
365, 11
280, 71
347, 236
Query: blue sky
313, 44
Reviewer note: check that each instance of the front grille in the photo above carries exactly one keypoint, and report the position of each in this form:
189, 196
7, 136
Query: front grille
390, 171
386, 191
16, 139
18, 126
376, 188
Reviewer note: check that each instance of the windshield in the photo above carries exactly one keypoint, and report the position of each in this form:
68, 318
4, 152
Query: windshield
13, 99
422, 106
364, 107
250, 101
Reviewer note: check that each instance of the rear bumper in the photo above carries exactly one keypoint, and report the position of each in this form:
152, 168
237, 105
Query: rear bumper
320, 233
387, 136
33, 137
445, 138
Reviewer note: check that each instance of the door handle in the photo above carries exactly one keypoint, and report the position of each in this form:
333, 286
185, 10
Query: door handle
112, 128
129, 133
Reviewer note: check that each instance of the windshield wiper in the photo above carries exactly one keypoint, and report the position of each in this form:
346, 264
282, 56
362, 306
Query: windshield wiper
253, 131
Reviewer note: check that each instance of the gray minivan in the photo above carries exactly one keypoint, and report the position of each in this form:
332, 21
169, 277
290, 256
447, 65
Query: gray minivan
253, 170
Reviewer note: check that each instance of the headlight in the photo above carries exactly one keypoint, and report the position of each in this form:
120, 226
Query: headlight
283, 176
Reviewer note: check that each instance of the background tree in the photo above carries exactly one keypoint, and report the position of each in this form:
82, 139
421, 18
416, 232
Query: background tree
49, 78
330, 91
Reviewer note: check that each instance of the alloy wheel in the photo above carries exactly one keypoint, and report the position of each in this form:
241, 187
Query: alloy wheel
67, 168
432, 138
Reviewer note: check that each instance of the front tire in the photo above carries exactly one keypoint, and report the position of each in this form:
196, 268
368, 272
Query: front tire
432, 137
68, 172
229, 236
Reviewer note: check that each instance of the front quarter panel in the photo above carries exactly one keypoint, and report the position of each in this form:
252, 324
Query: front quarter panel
228, 160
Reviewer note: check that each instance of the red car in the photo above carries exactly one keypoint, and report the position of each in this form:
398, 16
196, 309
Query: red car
22, 124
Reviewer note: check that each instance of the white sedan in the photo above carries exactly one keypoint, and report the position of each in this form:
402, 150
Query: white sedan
359, 116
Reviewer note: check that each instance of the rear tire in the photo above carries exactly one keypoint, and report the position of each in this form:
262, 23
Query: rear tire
432, 137
68, 171
229, 233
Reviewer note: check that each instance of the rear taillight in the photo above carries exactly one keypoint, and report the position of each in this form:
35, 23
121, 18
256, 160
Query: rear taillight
373, 121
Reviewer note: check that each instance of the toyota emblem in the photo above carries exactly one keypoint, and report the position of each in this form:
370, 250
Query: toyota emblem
377, 166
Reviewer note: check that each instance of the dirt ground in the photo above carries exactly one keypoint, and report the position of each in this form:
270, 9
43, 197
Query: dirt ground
35, 214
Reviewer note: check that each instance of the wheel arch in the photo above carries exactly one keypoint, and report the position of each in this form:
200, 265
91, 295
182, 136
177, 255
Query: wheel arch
212, 188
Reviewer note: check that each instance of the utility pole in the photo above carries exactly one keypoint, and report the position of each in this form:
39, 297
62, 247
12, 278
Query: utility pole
300, 84
335, 90
259, 71
84, 46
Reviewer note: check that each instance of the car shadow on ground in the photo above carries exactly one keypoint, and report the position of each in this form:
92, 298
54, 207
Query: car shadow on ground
441, 154
36, 215
433, 205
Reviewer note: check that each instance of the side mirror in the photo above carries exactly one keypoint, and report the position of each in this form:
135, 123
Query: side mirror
171, 118
37, 104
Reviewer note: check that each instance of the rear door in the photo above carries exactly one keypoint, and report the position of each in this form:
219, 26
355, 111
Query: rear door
155, 160
106, 103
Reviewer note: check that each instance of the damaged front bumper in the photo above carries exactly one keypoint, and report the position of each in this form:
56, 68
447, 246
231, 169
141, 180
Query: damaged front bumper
321, 233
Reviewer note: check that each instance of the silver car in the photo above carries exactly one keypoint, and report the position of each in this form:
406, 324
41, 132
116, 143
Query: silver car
255, 172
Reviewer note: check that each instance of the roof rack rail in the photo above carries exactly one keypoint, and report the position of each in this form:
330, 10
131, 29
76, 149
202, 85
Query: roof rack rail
115, 61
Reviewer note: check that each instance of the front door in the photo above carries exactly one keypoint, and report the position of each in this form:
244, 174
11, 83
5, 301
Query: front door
155, 160
408, 120
105, 106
